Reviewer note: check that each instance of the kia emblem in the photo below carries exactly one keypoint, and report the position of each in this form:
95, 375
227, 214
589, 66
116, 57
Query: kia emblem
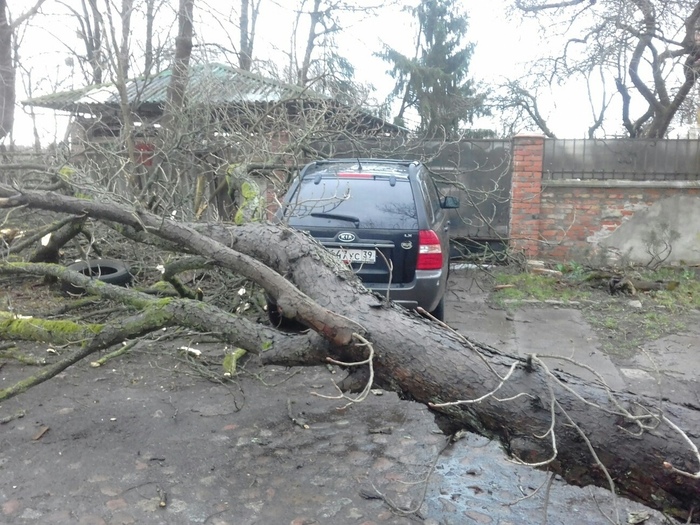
346, 237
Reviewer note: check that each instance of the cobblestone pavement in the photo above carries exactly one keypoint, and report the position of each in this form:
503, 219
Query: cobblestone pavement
146, 440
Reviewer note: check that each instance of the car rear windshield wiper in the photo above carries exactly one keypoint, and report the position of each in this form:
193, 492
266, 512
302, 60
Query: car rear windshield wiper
348, 218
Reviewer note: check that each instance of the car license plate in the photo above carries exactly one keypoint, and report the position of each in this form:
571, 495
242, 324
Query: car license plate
352, 255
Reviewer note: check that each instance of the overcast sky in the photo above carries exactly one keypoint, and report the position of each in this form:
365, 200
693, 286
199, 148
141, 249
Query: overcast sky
502, 49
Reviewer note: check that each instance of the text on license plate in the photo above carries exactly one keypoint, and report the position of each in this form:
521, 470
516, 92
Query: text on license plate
352, 255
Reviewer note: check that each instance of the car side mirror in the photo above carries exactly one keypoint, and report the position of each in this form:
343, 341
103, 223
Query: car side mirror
449, 202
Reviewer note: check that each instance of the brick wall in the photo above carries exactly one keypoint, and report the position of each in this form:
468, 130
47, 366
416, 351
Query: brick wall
576, 216
567, 219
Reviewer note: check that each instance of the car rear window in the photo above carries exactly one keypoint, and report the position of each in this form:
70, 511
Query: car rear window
362, 200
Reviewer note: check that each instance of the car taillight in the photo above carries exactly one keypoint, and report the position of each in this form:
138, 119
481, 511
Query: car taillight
429, 251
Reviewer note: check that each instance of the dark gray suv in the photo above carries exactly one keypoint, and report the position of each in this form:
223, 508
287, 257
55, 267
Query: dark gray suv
386, 218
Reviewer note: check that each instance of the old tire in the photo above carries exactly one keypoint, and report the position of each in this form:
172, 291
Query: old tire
109, 271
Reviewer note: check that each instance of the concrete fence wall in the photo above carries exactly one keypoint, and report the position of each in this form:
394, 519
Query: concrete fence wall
640, 221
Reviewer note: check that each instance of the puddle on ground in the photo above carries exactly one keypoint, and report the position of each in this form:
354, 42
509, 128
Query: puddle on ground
474, 479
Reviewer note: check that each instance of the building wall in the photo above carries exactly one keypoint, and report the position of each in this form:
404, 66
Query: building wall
613, 220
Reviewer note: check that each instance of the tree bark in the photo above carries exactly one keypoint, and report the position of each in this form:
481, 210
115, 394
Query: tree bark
120, 62
315, 18
580, 430
181, 61
148, 45
50, 252
7, 74
245, 55
7, 65
91, 34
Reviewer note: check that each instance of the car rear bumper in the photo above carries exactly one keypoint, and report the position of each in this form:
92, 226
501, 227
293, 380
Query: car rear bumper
424, 291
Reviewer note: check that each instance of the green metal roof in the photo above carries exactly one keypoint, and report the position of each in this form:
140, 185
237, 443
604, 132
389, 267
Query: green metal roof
210, 84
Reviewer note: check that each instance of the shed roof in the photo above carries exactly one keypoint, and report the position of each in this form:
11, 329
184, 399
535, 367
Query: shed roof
211, 84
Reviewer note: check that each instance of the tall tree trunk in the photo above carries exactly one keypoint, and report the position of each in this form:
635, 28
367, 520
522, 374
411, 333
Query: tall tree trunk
183, 51
7, 66
7, 74
124, 45
245, 53
248, 22
315, 16
148, 46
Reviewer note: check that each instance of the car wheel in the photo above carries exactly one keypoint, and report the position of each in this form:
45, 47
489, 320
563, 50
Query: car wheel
439, 312
273, 315
108, 271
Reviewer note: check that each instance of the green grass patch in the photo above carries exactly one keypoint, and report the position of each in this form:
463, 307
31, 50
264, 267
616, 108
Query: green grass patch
623, 325
524, 286
610, 323
684, 297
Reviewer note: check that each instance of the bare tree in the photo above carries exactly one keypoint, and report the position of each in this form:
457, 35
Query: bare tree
148, 56
519, 109
523, 104
315, 60
183, 51
90, 25
120, 67
649, 47
248, 21
7, 64
95, 62
316, 19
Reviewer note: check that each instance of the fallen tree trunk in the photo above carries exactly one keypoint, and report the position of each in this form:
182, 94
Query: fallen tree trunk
583, 431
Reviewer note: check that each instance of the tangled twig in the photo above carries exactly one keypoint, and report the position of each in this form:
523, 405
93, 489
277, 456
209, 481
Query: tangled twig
368, 386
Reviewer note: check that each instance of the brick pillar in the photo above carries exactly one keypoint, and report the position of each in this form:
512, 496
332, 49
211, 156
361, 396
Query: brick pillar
525, 193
